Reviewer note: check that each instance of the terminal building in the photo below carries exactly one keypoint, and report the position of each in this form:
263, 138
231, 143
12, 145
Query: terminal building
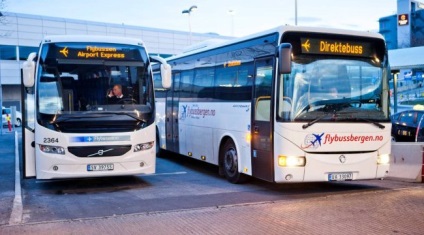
406, 28
21, 34
404, 35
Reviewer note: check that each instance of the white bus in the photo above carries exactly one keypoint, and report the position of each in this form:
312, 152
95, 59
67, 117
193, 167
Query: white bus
290, 104
70, 129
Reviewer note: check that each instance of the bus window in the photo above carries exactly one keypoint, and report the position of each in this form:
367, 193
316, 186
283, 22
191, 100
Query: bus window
50, 101
262, 109
186, 86
263, 89
203, 83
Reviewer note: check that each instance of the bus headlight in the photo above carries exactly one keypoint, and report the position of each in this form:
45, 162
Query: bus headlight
52, 149
291, 161
143, 146
383, 159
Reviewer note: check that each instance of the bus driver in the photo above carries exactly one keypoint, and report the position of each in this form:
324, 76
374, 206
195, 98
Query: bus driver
115, 95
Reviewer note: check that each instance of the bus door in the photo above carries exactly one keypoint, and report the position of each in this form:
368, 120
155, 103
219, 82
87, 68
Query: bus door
261, 128
28, 131
171, 120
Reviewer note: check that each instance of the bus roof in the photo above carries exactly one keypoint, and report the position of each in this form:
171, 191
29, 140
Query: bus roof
90, 38
280, 30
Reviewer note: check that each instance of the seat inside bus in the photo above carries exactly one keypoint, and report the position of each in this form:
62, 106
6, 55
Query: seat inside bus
68, 87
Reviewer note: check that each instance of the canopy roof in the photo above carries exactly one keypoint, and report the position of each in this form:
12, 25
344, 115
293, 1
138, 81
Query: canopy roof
406, 58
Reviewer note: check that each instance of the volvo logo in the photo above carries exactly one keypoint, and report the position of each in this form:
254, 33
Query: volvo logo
99, 153
342, 158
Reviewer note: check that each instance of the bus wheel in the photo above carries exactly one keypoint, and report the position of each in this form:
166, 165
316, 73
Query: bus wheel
230, 163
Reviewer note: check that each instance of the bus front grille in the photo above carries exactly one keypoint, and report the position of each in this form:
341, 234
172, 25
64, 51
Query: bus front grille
100, 151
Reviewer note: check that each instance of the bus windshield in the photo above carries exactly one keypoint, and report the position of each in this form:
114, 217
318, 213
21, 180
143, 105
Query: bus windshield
332, 89
77, 81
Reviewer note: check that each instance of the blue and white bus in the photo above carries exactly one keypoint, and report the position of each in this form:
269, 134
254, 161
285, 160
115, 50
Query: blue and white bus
291, 104
70, 130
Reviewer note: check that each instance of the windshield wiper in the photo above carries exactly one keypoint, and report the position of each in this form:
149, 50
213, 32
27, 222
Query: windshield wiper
98, 115
129, 115
125, 114
304, 126
64, 119
381, 126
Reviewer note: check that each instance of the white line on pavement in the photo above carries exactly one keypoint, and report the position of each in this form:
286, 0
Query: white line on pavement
169, 173
16, 215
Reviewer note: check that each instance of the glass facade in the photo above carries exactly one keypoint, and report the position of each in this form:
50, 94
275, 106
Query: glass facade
7, 52
21, 34
24, 51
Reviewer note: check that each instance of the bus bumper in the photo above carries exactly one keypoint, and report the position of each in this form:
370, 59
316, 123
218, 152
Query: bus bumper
333, 167
55, 167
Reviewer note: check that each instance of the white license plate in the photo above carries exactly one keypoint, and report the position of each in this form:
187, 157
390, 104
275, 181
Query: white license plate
100, 167
340, 176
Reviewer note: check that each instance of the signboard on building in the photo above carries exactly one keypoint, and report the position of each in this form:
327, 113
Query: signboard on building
419, 76
403, 19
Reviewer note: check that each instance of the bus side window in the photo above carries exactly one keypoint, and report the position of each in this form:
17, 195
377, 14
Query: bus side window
263, 89
263, 112
285, 108
186, 86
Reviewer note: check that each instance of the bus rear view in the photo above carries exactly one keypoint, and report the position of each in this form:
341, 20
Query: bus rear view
89, 108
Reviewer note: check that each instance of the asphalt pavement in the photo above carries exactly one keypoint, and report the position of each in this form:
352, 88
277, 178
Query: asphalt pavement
7, 175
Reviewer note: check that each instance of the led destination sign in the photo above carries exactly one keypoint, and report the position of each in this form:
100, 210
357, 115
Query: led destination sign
103, 52
335, 47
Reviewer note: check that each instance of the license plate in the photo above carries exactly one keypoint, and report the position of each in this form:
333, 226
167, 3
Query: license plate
100, 167
340, 176
406, 133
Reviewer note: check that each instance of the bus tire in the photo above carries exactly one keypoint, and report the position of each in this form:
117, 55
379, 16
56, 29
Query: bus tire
229, 163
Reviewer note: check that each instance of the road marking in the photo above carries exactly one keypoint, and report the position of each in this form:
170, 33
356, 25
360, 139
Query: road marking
169, 173
16, 215
158, 174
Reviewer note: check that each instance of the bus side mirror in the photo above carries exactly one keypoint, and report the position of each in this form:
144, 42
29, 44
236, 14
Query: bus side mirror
28, 70
165, 71
166, 74
284, 51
